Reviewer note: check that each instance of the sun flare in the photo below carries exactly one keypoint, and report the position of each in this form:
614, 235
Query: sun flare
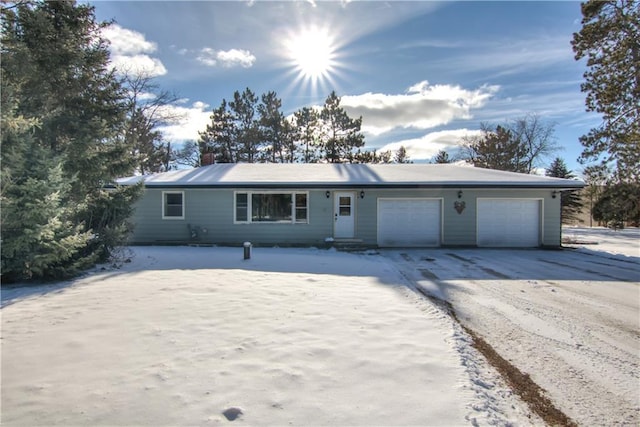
313, 53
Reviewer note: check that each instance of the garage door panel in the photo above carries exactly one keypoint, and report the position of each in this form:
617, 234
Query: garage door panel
508, 222
409, 222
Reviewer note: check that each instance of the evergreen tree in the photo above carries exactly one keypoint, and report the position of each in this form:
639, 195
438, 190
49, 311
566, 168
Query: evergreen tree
341, 134
618, 204
54, 74
497, 150
219, 136
610, 41
306, 123
385, 157
570, 200
247, 133
520, 145
289, 142
402, 156
441, 157
596, 177
272, 128
39, 239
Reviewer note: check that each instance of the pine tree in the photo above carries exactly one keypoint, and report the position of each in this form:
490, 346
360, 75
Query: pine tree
341, 134
306, 123
619, 204
402, 156
272, 127
219, 136
497, 150
441, 157
520, 145
570, 201
247, 133
610, 41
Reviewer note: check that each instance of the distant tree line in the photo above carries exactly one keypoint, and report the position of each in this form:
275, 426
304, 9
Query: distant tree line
252, 129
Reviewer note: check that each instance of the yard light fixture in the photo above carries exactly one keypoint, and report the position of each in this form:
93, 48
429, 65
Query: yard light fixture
328, 194
362, 194
459, 194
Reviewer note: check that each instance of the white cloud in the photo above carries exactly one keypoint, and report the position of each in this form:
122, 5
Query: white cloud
423, 106
226, 58
138, 64
127, 42
207, 56
428, 145
129, 52
200, 105
186, 122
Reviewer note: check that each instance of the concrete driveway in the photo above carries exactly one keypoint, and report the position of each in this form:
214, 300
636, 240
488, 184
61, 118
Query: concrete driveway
568, 318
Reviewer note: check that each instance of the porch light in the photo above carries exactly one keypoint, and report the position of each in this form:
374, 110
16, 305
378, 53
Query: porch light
459, 194
362, 194
554, 193
328, 194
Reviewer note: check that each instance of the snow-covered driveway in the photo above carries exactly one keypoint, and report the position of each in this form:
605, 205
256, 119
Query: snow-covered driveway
193, 336
568, 318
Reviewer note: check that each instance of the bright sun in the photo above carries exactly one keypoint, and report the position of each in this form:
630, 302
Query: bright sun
313, 53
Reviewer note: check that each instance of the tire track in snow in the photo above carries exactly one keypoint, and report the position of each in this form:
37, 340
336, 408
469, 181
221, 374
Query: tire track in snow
573, 369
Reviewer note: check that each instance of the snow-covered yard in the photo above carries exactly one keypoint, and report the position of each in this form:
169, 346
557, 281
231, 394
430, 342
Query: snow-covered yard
180, 335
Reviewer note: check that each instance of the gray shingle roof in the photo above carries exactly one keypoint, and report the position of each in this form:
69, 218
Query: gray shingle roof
296, 175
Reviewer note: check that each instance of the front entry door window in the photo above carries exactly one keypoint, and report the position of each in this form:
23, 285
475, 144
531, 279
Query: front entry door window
343, 215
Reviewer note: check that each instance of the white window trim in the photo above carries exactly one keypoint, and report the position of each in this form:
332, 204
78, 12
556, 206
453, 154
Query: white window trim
250, 207
164, 199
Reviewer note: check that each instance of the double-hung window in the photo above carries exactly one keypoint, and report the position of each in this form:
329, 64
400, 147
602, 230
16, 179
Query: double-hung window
173, 205
271, 207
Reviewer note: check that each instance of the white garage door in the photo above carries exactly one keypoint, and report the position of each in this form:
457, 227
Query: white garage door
408, 222
509, 222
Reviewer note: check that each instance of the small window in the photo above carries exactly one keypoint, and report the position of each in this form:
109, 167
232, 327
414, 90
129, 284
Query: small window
301, 207
344, 206
242, 206
173, 205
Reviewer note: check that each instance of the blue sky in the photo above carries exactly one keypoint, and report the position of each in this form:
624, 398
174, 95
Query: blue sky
422, 74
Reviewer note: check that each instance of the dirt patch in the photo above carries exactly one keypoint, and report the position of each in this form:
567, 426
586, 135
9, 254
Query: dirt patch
530, 392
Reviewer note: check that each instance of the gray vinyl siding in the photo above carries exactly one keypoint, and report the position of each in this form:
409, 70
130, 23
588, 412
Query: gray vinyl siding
213, 210
459, 229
